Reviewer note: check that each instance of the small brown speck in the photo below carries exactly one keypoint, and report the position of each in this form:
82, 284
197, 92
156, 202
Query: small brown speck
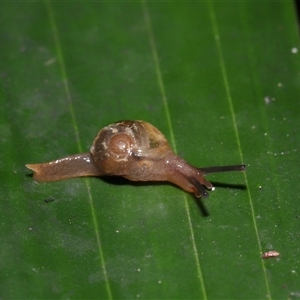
269, 254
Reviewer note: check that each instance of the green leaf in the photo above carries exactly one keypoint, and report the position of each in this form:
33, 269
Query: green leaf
220, 80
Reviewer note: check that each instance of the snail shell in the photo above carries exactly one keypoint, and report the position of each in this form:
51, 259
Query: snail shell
128, 147
135, 150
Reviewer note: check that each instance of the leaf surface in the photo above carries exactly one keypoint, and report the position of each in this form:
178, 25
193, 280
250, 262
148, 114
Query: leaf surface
220, 80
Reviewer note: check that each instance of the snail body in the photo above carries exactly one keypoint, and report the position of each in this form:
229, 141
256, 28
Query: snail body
135, 150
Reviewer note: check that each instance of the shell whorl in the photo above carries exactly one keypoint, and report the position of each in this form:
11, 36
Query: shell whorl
122, 142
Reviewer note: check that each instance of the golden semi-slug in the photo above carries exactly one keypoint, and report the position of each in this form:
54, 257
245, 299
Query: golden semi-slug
135, 150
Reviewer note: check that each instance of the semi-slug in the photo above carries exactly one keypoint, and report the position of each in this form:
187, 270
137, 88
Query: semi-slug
135, 150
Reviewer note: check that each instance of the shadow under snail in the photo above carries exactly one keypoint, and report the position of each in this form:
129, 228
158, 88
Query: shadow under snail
135, 150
